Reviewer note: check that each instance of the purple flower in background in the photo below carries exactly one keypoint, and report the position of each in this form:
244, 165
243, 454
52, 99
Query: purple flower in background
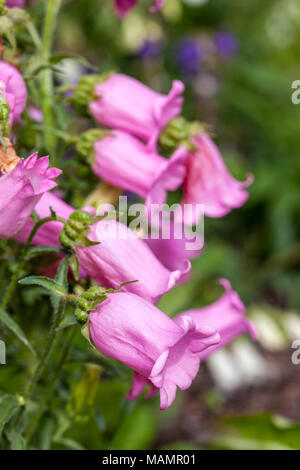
149, 50
189, 55
226, 44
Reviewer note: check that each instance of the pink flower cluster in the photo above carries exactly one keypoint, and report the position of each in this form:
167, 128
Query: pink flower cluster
164, 353
127, 156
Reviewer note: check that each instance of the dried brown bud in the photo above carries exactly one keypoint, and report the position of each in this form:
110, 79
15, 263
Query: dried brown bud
8, 157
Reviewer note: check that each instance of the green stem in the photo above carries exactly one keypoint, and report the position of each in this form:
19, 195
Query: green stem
23, 256
45, 356
52, 9
51, 386
34, 35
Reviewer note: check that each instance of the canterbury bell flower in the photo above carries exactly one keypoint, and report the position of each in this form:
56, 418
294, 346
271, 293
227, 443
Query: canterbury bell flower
209, 183
163, 353
20, 191
127, 104
226, 316
123, 161
121, 256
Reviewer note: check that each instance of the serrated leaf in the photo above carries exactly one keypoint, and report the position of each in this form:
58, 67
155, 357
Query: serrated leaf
49, 284
14, 328
9, 405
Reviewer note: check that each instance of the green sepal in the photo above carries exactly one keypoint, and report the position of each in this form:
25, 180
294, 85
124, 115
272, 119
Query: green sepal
85, 331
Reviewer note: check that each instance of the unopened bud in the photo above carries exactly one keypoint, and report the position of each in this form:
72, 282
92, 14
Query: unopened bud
85, 91
75, 226
179, 132
81, 315
85, 145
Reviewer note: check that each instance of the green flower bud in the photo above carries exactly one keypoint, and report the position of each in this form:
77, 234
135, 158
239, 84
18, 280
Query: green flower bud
93, 293
174, 134
84, 92
81, 315
84, 304
82, 216
78, 223
85, 146
179, 132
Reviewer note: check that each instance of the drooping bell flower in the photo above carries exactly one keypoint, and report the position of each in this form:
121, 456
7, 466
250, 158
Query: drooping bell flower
122, 7
174, 244
13, 87
226, 316
123, 161
162, 353
208, 182
121, 257
20, 191
127, 104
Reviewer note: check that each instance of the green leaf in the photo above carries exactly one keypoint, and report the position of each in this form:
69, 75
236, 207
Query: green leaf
62, 273
61, 279
16, 440
41, 250
51, 285
55, 59
39, 69
68, 320
74, 265
70, 443
9, 405
137, 430
14, 327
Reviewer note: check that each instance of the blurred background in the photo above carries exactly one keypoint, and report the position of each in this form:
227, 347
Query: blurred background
238, 60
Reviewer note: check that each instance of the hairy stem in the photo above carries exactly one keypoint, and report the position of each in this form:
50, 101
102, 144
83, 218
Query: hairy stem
52, 9
44, 358
23, 256
51, 386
